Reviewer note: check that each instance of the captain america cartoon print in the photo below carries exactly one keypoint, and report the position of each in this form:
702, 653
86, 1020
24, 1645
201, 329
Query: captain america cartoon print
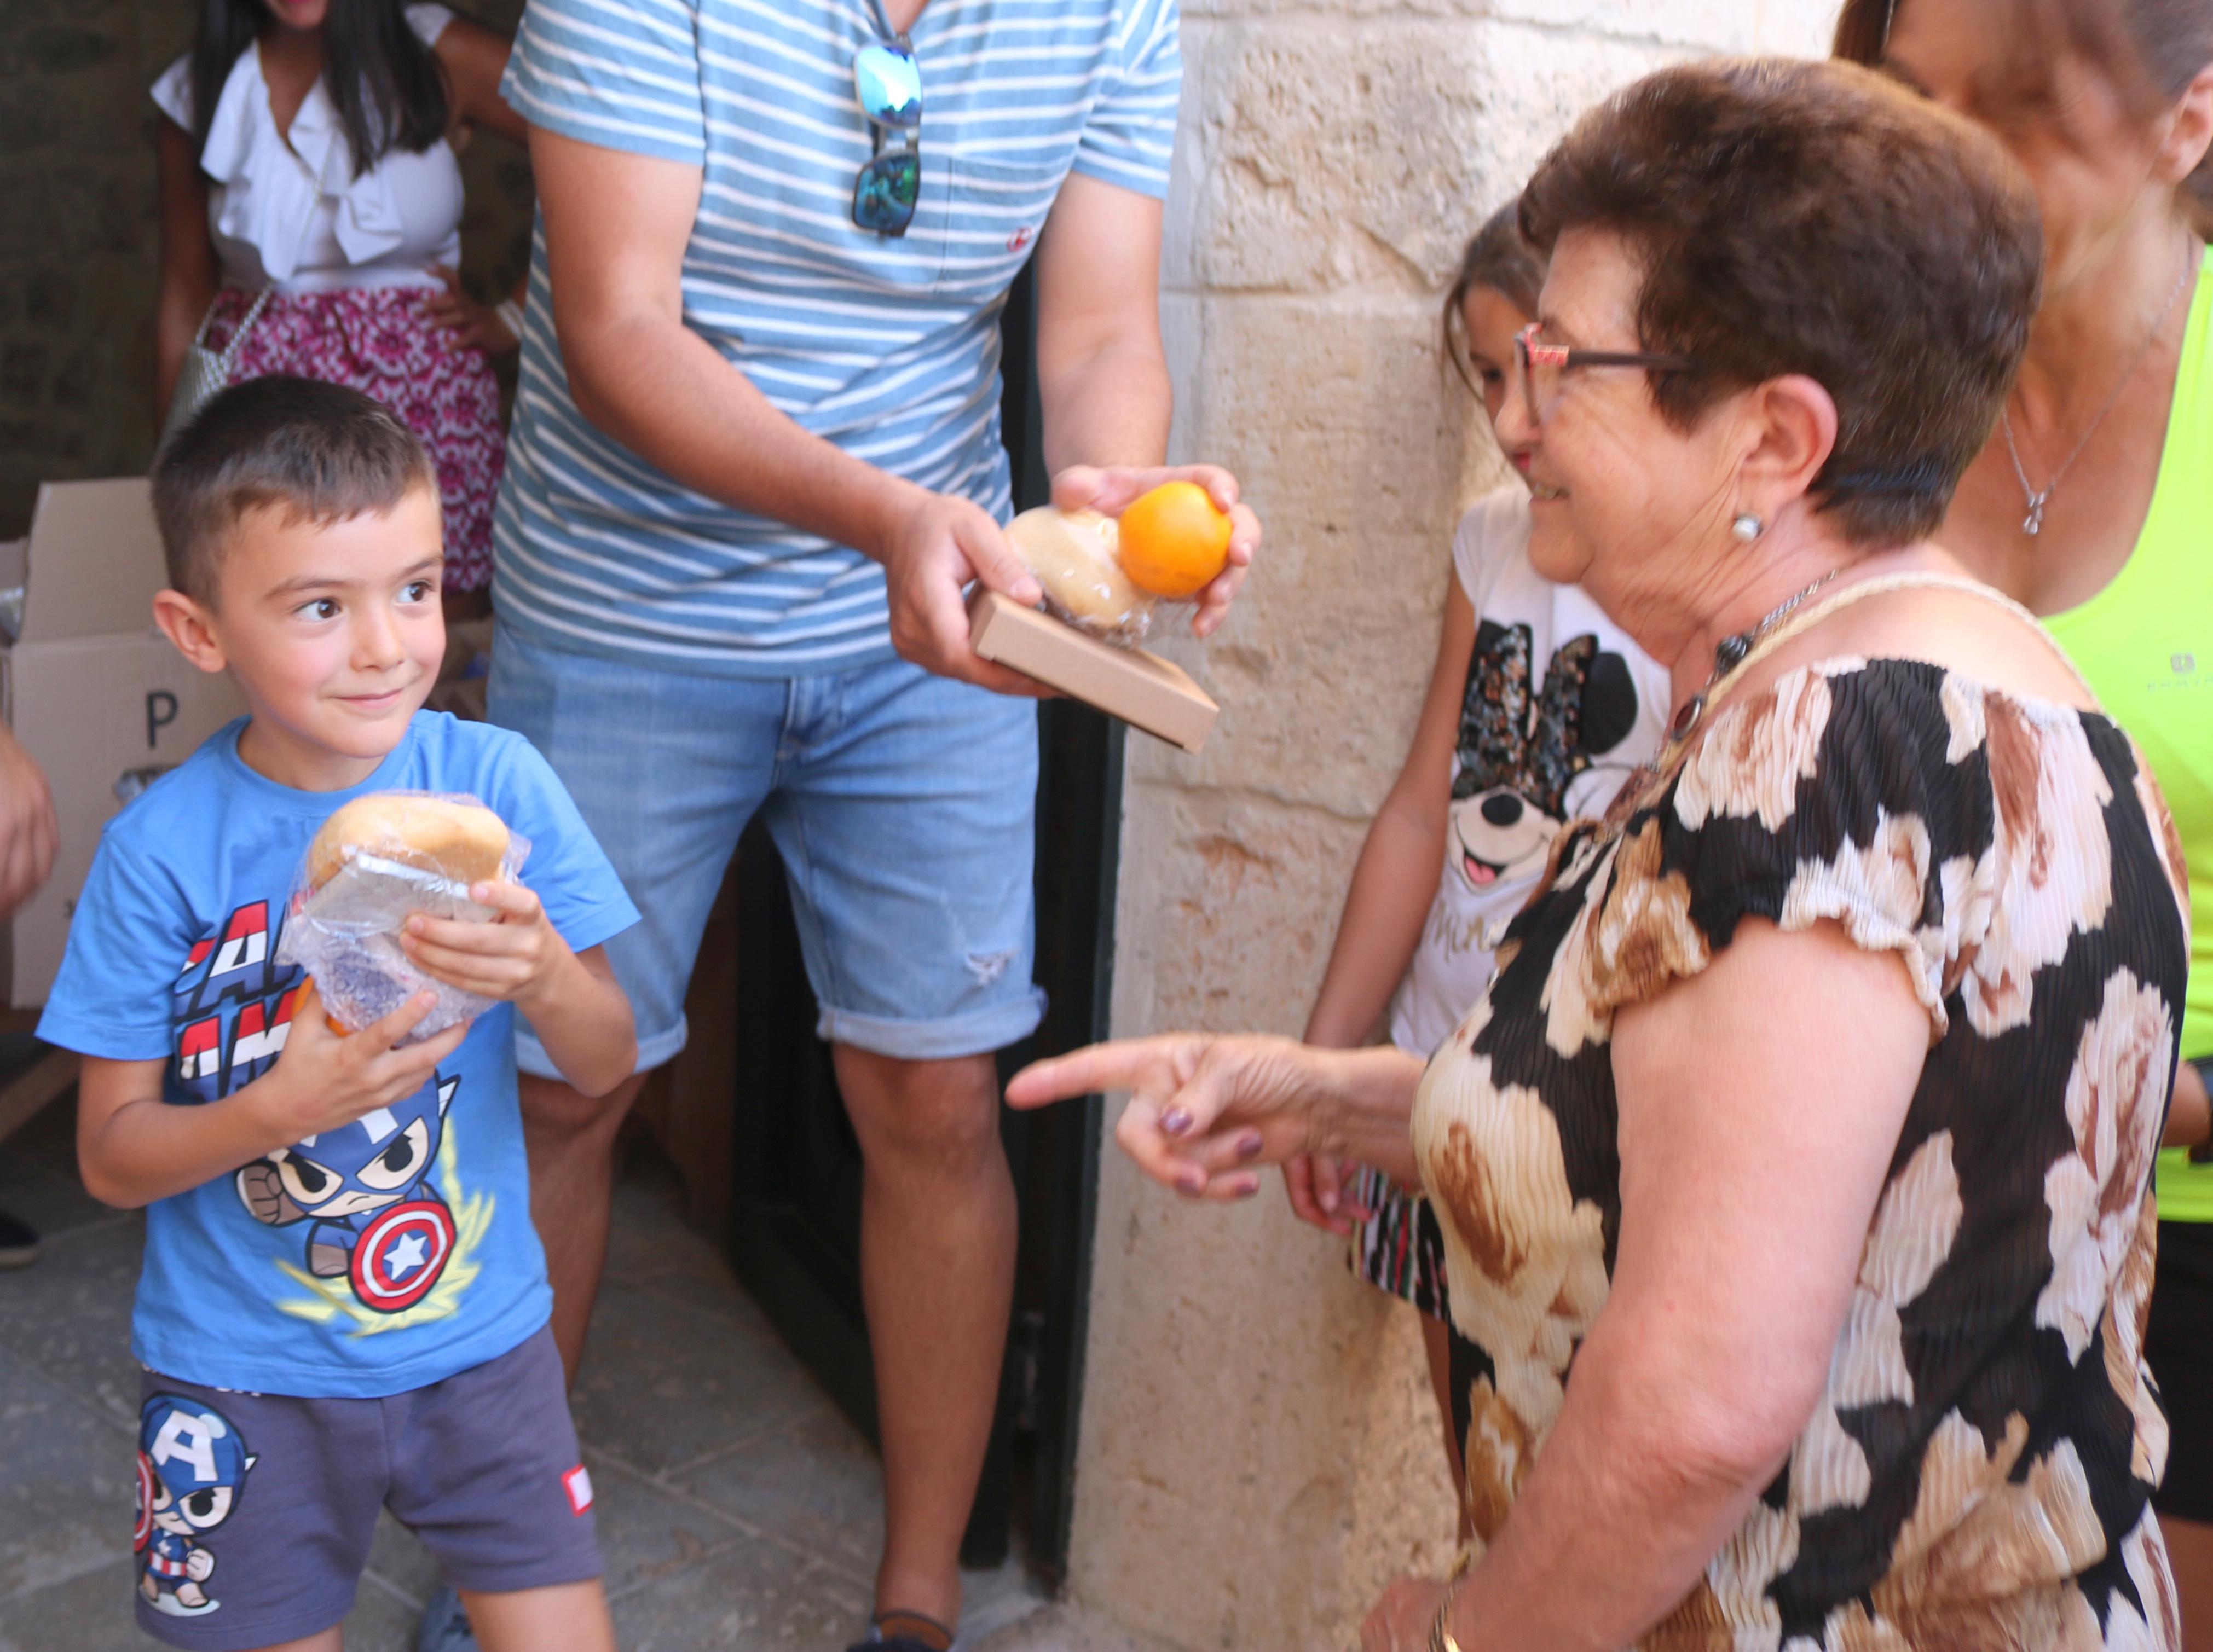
364, 1191
192, 1465
233, 1006
372, 1216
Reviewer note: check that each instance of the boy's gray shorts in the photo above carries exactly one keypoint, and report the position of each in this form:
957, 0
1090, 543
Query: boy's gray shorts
256, 1511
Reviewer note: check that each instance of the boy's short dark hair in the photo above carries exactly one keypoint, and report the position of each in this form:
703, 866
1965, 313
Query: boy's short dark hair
322, 451
1816, 218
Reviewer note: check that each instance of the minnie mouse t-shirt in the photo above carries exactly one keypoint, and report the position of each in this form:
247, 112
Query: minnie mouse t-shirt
1560, 708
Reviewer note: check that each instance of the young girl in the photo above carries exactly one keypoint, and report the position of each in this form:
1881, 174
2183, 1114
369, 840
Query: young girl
1537, 711
309, 152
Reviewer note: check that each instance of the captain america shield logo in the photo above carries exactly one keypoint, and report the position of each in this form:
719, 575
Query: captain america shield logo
144, 1528
400, 1255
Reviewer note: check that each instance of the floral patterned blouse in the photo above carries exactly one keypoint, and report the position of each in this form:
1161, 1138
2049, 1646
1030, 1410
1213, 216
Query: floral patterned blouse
1979, 1472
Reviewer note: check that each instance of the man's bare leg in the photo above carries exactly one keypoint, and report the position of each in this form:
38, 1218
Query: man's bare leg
571, 1138
937, 1279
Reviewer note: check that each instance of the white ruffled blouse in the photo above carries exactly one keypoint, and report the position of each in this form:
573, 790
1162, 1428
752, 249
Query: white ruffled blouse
291, 214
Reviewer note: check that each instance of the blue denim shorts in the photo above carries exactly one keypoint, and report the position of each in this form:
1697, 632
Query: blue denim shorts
904, 806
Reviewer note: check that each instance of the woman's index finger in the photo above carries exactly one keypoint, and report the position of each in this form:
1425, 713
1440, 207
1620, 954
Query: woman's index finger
1121, 1064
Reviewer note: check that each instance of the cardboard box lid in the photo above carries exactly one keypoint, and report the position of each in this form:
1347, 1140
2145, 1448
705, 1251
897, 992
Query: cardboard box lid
1143, 689
95, 712
94, 560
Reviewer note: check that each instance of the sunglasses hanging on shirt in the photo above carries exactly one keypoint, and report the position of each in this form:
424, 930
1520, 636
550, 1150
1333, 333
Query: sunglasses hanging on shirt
888, 83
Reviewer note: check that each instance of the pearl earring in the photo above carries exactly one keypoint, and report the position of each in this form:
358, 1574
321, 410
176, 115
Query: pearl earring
1747, 527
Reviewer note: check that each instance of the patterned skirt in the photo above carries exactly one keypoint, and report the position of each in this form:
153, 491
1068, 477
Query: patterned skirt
1399, 1250
381, 341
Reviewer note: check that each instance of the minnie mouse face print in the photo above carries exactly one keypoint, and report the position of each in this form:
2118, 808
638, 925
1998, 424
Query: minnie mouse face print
1529, 760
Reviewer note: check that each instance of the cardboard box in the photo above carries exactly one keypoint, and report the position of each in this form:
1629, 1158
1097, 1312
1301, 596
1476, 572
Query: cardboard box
1143, 689
95, 694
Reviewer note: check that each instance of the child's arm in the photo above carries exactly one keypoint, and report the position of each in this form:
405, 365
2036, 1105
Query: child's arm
1395, 881
580, 1015
134, 1148
1393, 885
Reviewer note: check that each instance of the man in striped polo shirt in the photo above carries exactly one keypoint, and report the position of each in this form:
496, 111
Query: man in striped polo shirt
756, 457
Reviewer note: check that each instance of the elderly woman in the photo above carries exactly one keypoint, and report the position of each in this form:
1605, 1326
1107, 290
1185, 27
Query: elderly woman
2093, 504
1793, 1168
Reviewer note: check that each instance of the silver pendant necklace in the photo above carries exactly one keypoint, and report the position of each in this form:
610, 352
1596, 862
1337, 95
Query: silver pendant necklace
1730, 653
2033, 523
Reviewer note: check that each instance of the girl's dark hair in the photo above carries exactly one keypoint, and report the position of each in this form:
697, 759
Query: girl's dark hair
2148, 51
388, 87
1498, 258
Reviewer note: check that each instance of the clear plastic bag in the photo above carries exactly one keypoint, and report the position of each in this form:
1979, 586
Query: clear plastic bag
1073, 554
344, 931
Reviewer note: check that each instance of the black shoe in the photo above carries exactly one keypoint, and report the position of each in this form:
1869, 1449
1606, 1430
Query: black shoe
19, 1243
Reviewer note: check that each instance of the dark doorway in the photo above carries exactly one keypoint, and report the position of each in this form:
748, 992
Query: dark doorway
795, 1194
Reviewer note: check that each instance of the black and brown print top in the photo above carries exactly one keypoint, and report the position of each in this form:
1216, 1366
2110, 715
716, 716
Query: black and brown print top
1978, 1472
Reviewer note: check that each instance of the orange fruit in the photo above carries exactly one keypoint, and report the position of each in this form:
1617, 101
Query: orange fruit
1173, 541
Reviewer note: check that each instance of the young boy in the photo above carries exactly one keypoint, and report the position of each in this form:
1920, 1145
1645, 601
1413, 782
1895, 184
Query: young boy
343, 1305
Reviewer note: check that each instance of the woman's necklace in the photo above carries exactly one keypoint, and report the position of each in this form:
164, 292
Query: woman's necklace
1729, 653
2033, 523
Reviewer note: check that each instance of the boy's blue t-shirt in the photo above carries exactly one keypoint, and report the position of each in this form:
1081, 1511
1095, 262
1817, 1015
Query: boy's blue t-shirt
379, 1257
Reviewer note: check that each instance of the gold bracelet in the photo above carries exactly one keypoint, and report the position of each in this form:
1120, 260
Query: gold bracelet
1441, 1635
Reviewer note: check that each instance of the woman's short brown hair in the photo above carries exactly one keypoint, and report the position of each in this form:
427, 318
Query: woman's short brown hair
1815, 218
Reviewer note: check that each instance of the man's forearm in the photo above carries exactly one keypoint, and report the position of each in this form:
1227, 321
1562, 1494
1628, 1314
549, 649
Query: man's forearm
1110, 406
667, 395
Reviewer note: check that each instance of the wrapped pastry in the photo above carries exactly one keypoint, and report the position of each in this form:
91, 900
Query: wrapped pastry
377, 862
1074, 555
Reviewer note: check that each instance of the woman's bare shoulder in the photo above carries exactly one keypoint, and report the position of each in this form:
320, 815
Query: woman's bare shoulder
1978, 634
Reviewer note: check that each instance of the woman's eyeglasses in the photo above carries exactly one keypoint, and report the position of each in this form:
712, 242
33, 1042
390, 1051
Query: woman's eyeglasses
1539, 368
888, 82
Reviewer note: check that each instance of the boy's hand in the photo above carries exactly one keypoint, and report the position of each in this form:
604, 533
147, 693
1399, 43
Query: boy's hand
327, 1079
516, 956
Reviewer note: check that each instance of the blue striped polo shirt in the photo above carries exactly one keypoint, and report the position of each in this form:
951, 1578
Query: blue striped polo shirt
888, 348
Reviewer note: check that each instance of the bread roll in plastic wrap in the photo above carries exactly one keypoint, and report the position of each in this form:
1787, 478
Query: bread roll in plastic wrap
376, 862
1073, 554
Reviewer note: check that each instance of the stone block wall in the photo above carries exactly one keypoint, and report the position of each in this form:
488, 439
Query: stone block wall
80, 245
1260, 1454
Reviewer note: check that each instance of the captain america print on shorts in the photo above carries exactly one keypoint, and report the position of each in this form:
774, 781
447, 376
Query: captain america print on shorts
192, 1465
256, 1511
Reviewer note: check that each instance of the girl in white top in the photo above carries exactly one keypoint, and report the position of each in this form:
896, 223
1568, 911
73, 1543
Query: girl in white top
310, 151
1537, 709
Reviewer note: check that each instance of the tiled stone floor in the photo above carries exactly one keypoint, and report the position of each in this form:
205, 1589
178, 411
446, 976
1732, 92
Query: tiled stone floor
737, 1506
